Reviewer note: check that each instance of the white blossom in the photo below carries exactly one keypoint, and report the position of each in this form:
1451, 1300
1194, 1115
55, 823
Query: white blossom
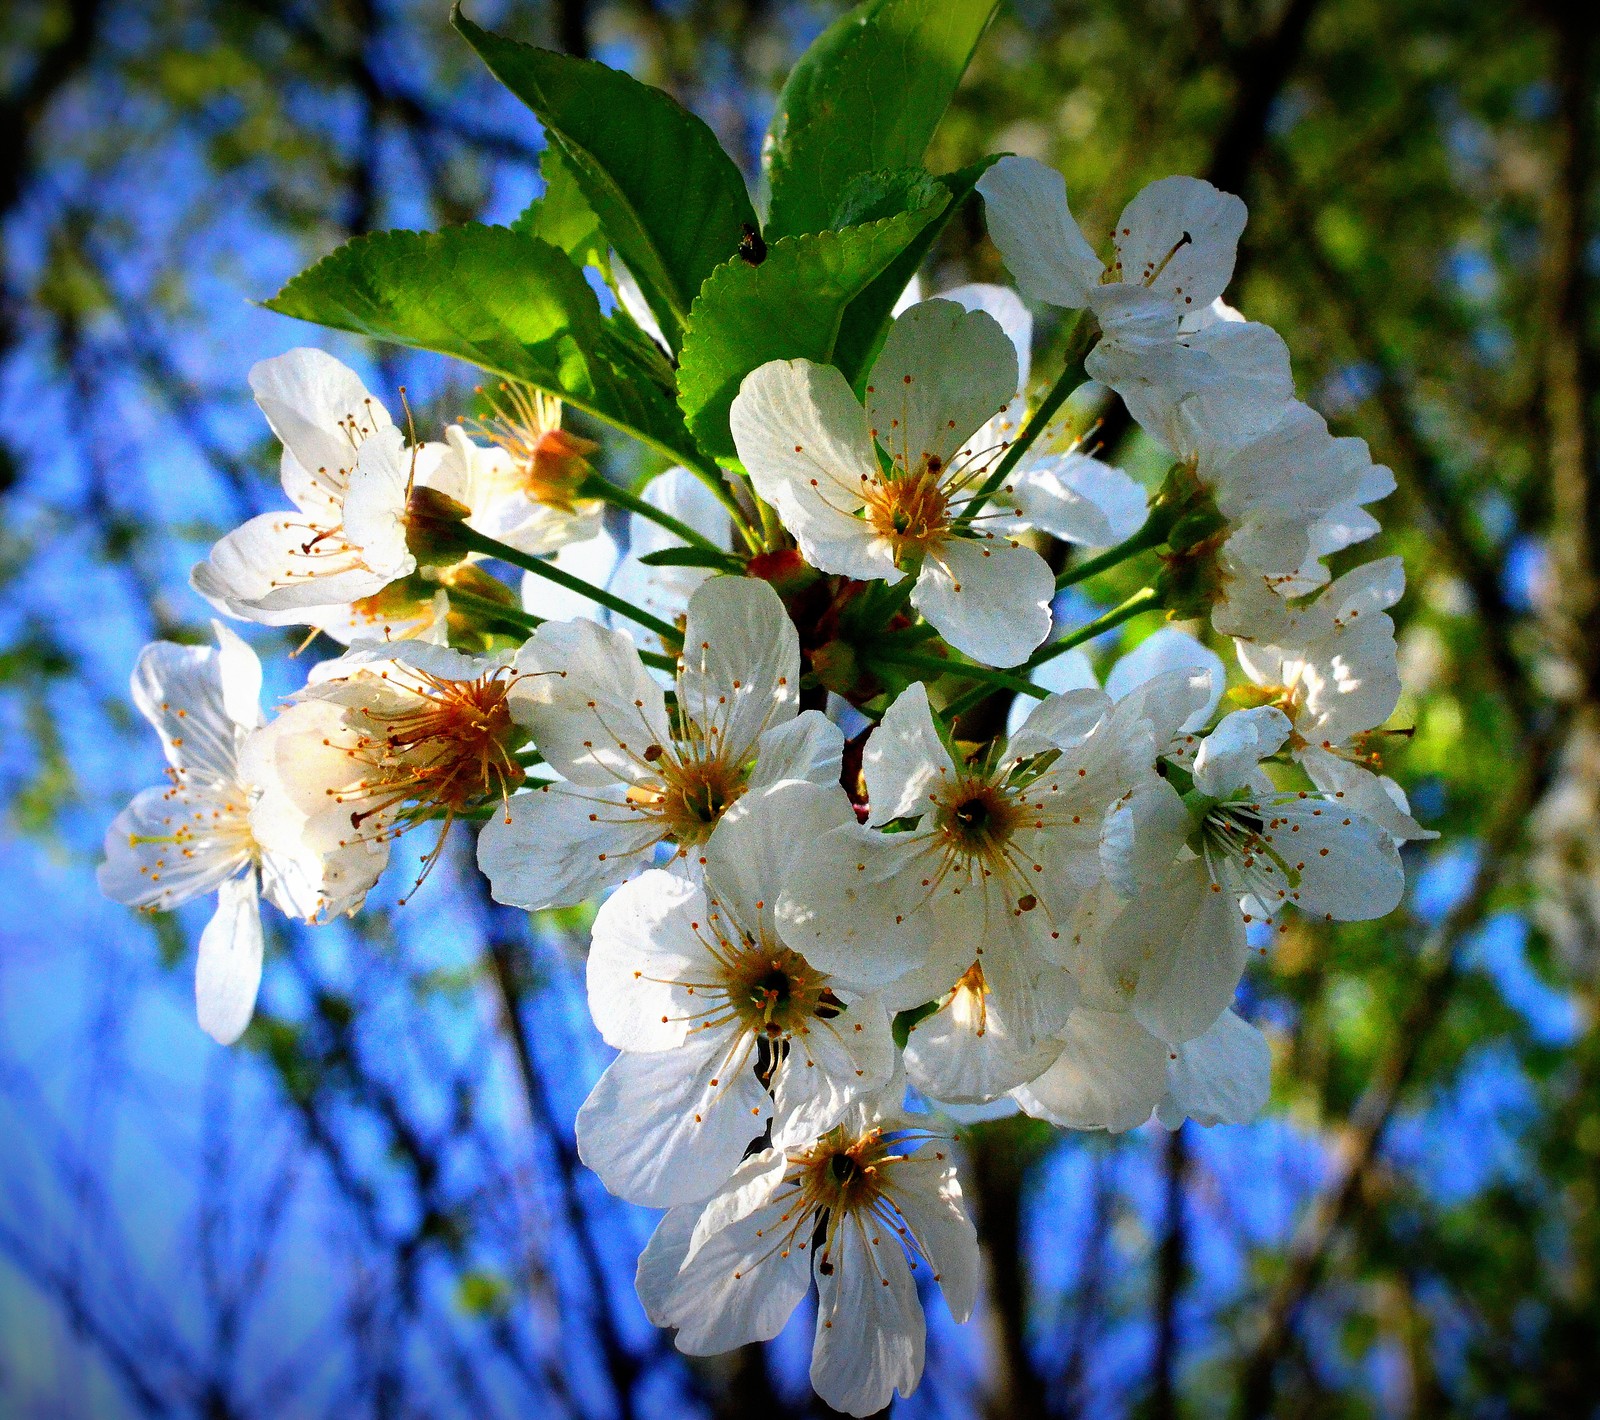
197, 834
972, 896
725, 1030
863, 1209
812, 452
347, 472
634, 776
386, 739
1330, 667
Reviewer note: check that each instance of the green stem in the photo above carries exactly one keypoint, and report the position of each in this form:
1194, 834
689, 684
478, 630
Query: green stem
938, 666
1069, 379
598, 486
1140, 601
490, 547
1152, 534
498, 611
528, 621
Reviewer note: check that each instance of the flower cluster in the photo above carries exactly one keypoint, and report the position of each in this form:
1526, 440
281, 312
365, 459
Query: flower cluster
846, 900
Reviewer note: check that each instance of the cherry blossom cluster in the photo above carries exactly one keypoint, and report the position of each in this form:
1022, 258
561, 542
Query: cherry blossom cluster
845, 902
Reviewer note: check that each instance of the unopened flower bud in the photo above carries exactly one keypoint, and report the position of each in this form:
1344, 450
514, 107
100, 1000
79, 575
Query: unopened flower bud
434, 523
786, 570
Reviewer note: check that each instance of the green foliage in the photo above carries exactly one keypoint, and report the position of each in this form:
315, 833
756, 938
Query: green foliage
790, 307
671, 201
864, 98
504, 301
562, 216
866, 321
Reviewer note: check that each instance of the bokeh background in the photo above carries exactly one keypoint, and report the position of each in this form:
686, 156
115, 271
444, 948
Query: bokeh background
371, 1207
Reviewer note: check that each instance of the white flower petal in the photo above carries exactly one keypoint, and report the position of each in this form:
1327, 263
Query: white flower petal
803, 439
942, 374
668, 1127
752, 848
228, 972
929, 1199
665, 591
1165, 650
1178, 238
1229, 754
1348, 867
1079, 499
375, 504
809, 747
1358, 788
870, 1329
740, 669
833, 1064
968, 1050
904, 759
1059, 722
182, 691
987, 597
1184, 944
742, 1283
563, 844
840, 901
661, 1260
1025, 209
171, 845
1110, 1075
320, 411
1221, 1077
643, 947
1006, 307
594, 561
592, 707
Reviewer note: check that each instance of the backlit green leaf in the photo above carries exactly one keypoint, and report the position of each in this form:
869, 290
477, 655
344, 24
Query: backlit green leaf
790, 307
670, 201
864, 98
504, 301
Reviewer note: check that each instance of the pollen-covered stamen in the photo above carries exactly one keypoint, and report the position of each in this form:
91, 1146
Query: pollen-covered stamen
549, 464
430, 746
1241, 835
911, 511
848, 1180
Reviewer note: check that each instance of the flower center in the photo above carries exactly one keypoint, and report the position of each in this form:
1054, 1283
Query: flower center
977, 819
775, 991
1241, 834
910, 511
694, 793
550, 464
446, 745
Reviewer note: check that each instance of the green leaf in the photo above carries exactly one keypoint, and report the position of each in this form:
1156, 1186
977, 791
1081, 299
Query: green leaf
870, 197
866, 322
672, 203
787, 308
691, 557
561, 215
864, 98
502, 300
